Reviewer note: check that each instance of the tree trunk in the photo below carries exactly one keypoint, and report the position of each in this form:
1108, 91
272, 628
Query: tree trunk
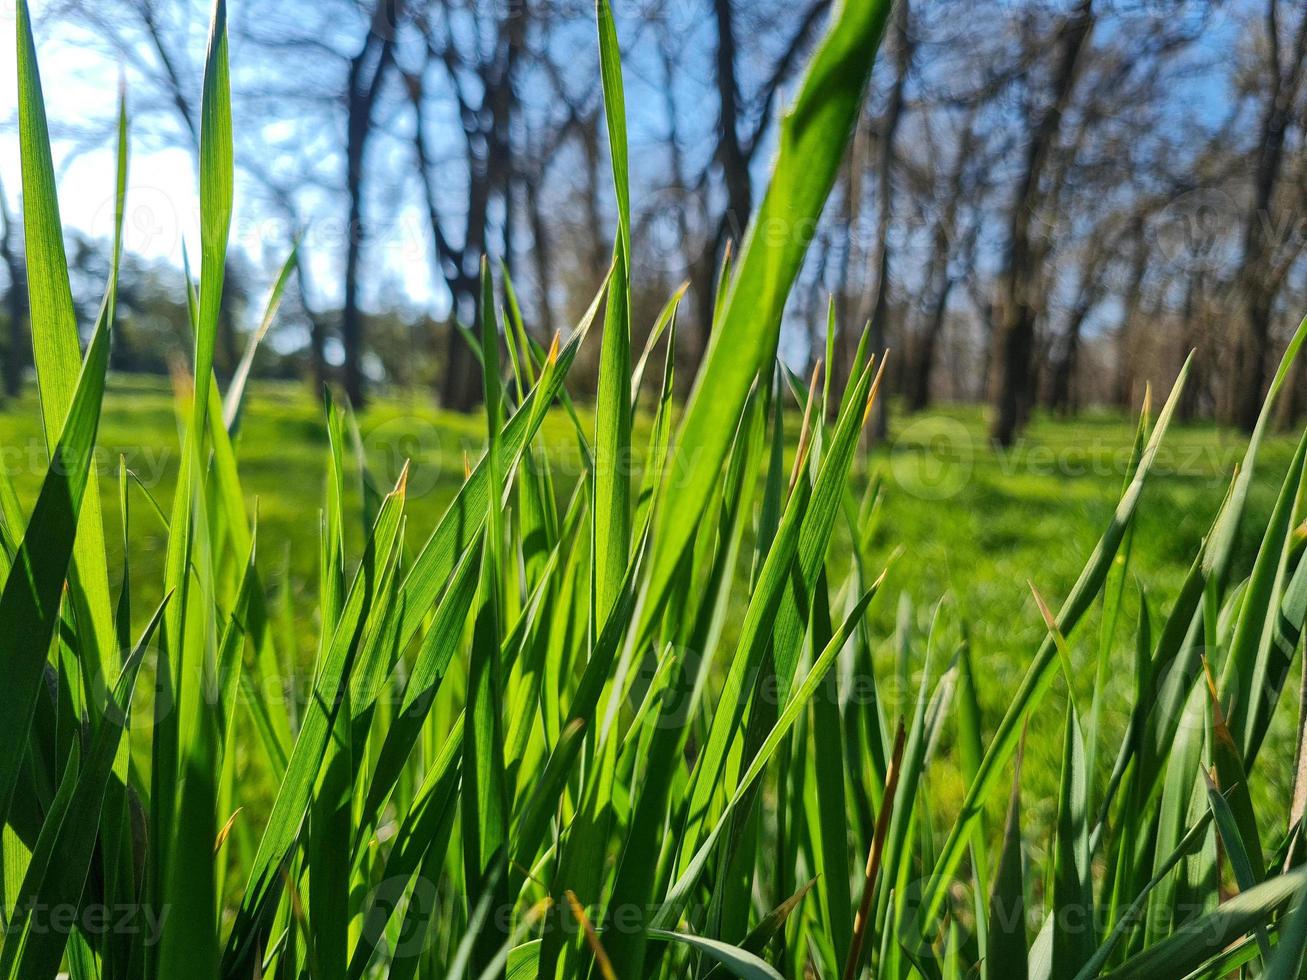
1061, 393
461, 387
492, 173
1293, 403
903, 52
1124, 382
318, 373
367, 74
941, 282
1187, 408
540, 255
924, 368
1259, 284
1255, 353
735, 169
1013, 387
351, 320
730, 155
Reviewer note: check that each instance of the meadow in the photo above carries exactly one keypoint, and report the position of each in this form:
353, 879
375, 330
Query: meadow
979, 517
656, 688
982, 522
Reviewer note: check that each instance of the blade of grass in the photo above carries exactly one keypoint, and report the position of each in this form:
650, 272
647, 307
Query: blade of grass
53, 323
875, 856
216, 190
813, 135
462, 521
1039, 676
612, 496
56, 879
1255, 667
738, 962
1235, 851
1197, 941
672, 904
234, 403
424, 827
1236, 798
830, 765
1006, 927
485, 802
1131, 915
29, 604
293, 795
1073, 896
1287, 962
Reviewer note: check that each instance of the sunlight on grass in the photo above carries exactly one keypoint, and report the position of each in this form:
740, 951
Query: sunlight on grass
631, 690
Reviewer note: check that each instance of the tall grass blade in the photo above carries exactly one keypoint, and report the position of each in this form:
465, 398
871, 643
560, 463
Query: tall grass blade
813, 135
29, 604
1039, 676
55, 348
62, 857
1197, 941
612, 496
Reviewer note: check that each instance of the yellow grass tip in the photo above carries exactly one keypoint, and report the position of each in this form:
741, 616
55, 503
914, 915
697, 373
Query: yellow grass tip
226, 830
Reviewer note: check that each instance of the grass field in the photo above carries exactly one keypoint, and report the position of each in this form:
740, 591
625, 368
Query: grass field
521, 709
975, 522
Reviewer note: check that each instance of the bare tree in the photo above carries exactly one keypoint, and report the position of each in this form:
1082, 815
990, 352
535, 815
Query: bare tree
1263, 267
952, 252
481, 75
904, 47
743, 122
1018, 299
1094, 266
1029, 168
368, 70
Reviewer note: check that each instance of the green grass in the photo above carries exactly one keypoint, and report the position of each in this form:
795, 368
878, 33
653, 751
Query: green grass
981, 521
597, 693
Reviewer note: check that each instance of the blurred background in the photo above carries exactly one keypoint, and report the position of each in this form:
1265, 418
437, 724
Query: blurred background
1047, 205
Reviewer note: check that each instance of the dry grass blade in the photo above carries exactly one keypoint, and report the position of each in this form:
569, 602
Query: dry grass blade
875, 854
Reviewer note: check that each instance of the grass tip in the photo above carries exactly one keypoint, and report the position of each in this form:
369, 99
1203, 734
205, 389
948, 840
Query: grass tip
226, 830
1049, 620
875, 385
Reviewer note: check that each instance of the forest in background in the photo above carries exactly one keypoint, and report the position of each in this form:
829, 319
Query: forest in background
1047, 204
